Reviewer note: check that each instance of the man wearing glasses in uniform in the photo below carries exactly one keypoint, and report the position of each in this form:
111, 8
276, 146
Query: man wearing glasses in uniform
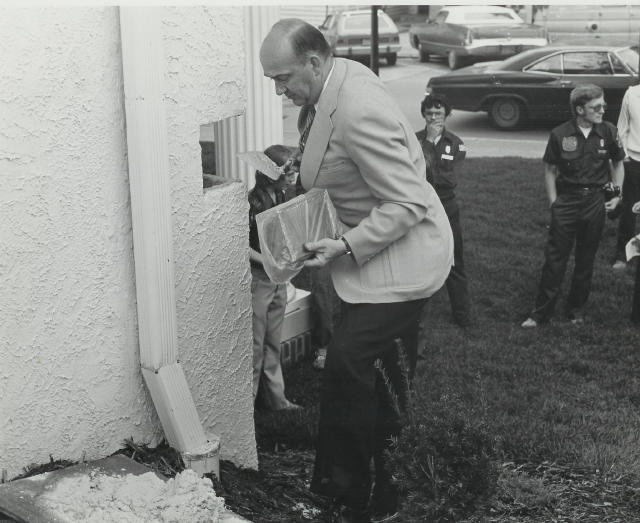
581, 157
443, 153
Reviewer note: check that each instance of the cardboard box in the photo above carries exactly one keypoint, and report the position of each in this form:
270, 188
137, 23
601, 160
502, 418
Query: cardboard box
297, 316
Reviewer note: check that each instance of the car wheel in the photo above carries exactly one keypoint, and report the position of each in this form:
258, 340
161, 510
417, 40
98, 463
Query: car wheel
424, 54
454, 60
392, 58
507, 113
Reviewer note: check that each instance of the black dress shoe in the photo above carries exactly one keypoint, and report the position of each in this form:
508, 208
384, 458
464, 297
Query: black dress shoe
384, 502
383, 518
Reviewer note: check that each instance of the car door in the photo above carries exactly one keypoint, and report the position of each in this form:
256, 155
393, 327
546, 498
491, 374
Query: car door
595, 67
435, 36
449, 34
544, 89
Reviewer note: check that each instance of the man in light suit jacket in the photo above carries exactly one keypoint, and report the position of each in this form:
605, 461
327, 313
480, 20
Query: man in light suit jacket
396, 252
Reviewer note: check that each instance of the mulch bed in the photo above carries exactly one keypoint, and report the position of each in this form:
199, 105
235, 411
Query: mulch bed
279, 491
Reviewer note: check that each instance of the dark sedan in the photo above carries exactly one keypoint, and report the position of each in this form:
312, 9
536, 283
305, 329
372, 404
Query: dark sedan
535, 84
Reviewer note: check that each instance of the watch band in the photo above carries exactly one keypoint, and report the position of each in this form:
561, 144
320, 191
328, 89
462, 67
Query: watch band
347, 246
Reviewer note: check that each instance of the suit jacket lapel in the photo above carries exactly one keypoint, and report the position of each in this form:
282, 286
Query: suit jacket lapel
322, 127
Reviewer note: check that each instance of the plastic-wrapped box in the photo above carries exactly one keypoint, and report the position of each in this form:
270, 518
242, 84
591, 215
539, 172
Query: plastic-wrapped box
283, 231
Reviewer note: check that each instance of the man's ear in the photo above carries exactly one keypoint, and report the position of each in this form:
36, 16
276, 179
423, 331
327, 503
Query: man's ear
580, 110
316, 63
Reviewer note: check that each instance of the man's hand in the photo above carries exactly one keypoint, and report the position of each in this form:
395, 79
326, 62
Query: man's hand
434, 128
324, 251
612, 203
636, 208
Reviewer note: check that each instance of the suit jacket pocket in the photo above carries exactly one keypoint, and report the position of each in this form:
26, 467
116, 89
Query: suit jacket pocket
415, 266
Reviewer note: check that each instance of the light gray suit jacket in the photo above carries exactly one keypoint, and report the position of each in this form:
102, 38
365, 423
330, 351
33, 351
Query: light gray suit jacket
363, 151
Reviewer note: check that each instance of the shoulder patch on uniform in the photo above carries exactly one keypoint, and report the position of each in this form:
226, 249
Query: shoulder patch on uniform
569, 143
461, 147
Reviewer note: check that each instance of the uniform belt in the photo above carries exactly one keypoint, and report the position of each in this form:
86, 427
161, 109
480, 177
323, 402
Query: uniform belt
580, 189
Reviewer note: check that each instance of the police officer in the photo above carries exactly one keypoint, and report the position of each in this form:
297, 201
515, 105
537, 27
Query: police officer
581, 156
443, 152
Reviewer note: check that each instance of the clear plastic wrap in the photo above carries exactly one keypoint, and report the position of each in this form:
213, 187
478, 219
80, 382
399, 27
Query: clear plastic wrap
283, 231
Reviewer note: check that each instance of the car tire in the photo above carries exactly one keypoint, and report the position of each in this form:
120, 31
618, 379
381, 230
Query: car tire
392, 58
454, 60
507, 114
424, 54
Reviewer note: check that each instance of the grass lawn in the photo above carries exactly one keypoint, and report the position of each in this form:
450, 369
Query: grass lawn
562, 394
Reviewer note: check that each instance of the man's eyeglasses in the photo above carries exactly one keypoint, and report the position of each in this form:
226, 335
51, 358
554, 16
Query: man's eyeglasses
597, 108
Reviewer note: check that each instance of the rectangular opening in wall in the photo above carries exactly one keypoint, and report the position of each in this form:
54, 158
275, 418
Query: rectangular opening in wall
220, 143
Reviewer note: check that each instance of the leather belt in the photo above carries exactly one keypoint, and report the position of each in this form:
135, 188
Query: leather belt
580, 189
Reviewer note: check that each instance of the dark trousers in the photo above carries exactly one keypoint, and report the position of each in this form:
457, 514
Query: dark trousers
456, 283
358, 415
630, 195
577, 216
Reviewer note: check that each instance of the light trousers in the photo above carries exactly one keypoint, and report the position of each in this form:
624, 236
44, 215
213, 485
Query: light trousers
269, 301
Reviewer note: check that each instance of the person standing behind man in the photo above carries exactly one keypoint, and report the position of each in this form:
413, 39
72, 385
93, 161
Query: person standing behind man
629, 131
268, 299
581, 156
443, 152
397, 250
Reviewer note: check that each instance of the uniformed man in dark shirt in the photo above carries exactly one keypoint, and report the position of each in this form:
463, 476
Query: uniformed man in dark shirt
443, 152
582, 155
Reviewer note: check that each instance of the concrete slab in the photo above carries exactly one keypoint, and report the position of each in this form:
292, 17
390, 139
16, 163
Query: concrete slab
20, 499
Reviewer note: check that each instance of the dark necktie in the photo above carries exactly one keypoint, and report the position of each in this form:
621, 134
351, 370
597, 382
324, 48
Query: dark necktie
311, 113
304, 133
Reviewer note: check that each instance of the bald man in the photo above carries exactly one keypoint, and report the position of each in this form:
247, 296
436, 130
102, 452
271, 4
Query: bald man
396, 251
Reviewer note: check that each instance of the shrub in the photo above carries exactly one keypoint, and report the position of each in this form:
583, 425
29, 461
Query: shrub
444, 459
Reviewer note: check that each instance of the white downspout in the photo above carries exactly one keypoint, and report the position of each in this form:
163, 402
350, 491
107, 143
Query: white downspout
143, 67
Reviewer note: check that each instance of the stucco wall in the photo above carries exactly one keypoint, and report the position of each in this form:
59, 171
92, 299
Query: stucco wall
70, 383
205, 83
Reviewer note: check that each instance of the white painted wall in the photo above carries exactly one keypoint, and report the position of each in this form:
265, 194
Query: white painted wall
70, 382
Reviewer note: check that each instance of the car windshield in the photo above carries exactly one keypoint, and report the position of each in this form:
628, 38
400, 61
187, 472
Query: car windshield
363, 21
629, 55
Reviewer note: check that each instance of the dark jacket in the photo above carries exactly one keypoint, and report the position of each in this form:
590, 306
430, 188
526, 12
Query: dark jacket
442, 159
259, 201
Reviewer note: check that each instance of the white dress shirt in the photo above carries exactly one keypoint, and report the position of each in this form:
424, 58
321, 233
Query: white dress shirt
629, 122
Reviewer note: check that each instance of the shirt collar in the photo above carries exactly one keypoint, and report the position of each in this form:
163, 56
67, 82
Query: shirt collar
324, 86
597, 128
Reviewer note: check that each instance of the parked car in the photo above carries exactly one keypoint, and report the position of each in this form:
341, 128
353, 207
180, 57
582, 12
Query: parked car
349, 35
466, 34
535, 84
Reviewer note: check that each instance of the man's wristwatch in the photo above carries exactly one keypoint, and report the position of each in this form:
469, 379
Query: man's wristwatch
347, 246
